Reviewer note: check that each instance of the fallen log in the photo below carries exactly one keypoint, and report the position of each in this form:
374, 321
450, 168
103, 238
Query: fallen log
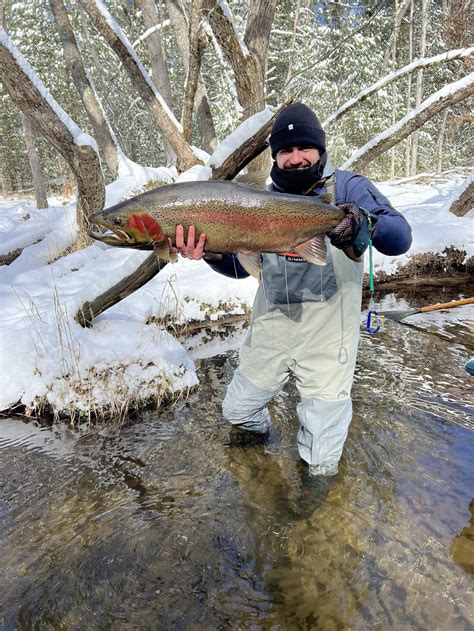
145, 272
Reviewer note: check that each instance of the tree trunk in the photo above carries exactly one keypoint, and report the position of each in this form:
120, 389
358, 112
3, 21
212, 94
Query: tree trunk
409, 86
6, 172
465, 202
392, 43
159, 71
145, 272
439, 101
197, 43
203, 111
33, 159
393, 59
249, 59
6, 167
289, 72
419, 83
83, 82
155, 103
47, 117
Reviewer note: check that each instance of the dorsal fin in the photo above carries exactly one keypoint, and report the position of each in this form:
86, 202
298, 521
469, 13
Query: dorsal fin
326, 197
255, 179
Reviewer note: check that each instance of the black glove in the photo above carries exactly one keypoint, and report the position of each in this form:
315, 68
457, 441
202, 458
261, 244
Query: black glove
346, 231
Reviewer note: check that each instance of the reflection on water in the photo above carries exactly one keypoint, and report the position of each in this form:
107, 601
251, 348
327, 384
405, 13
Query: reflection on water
170, 525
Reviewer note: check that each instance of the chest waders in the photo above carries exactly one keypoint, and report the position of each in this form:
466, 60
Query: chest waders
318, 346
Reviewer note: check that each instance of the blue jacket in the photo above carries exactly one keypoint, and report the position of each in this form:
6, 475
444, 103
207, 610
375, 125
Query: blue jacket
391, 232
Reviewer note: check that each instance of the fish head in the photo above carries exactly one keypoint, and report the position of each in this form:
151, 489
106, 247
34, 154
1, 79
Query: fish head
127, 224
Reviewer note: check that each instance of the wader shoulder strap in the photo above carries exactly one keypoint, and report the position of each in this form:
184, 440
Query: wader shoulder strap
330, 187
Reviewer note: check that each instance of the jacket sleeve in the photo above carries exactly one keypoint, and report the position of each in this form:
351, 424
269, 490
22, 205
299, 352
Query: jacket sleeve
229, 266
391, 233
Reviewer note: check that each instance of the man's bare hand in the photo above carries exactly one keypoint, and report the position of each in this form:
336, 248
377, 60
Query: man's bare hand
189, 249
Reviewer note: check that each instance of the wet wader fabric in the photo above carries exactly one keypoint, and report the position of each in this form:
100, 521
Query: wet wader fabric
317, 342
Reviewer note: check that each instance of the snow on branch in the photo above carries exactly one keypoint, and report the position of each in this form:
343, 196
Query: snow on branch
227, 13
437, 102
461, 53
78, 136
243, 145
150, 31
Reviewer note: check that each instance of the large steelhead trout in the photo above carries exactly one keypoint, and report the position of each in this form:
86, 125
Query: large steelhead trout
235, 218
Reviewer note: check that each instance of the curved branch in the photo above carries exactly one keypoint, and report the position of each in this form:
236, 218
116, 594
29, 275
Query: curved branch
461, 53
437, 102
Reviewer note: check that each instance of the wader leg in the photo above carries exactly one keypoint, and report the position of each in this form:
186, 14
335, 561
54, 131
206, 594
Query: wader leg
245, 404
323, 431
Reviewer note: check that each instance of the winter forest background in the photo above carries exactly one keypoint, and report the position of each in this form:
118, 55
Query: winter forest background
323, 53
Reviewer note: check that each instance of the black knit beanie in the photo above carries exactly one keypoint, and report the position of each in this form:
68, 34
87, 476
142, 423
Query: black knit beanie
297, 125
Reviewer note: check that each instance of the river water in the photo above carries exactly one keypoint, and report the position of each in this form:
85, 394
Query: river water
169, 523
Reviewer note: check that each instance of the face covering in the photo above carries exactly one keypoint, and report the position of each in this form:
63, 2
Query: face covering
297, 181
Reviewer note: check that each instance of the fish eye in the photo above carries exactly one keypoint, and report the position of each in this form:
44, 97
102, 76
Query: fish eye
118, 221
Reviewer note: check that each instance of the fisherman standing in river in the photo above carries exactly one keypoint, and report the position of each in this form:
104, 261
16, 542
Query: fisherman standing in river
306, 318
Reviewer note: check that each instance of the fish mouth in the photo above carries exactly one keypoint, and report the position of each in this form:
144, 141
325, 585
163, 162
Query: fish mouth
115, 236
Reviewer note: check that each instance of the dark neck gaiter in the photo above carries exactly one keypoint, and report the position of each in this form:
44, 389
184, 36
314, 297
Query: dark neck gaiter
298, 181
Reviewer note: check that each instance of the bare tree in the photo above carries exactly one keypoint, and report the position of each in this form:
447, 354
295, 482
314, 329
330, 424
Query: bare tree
409, 88
33, 159
84, 86
457, 33
392, 42
248, 59
157, 106
419, 81
159, 71
197, 43
289, 71
203, 111
48, 118
437, 102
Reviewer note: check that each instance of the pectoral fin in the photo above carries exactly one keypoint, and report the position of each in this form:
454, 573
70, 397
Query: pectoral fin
251, 262
162, 251
313, 251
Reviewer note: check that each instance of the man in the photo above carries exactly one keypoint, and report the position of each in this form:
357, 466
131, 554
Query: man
306, 318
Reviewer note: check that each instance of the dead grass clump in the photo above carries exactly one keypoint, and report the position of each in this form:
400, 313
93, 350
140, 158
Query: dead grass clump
431, 264
84, 408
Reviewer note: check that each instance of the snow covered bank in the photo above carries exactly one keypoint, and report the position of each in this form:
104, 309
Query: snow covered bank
47, 359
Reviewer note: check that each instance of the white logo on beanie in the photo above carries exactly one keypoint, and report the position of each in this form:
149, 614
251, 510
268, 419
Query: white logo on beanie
290, 126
